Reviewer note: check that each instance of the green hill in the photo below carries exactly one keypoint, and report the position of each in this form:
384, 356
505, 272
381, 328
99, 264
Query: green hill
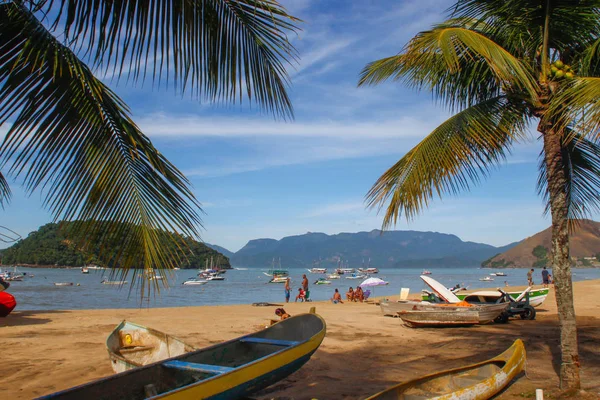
49, 247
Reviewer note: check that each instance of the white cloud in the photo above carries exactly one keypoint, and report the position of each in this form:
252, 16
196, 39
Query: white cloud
172, 126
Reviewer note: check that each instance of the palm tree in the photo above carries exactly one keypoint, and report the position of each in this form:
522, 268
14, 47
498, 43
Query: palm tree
503, 64
71, 137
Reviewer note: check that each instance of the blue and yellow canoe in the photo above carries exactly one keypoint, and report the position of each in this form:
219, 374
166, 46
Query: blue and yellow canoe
229, 370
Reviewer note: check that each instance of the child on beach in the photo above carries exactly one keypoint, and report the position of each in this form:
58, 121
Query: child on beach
350, 294
301, 295
282, 314
288, 290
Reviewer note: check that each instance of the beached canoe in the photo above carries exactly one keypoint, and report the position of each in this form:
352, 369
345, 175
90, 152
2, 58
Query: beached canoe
228, 370
131, 346
440, 318
474, 382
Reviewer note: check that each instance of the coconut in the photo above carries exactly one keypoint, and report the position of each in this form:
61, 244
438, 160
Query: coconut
569, 75
558, 64
559, 74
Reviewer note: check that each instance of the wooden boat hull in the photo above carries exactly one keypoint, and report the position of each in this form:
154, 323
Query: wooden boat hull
479, 381
487, 312
131, 346
228, 370
439, 318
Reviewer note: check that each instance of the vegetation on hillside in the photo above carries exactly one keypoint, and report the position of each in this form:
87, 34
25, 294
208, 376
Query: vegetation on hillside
501, 263
50, 246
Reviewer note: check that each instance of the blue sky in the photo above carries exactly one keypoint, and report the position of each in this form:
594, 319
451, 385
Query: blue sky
257, 177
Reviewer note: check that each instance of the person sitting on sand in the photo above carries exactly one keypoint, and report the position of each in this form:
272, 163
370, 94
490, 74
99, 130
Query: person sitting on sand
337, 297
359, 295
350, 294
301, 295
280, 312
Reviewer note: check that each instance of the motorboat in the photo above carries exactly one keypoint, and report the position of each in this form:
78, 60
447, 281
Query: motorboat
63, 283
486, 279
194, 281
107, 282
333, 276
322, 281
318, 270
426, 272
356, 276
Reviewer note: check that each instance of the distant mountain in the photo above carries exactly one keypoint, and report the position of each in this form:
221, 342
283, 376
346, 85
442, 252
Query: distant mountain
534, 251
220, 249
387, 249
48, 246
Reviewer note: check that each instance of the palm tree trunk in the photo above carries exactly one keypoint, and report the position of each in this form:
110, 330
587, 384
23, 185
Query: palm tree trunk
561, 265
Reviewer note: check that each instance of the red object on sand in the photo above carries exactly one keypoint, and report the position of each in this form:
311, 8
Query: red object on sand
7, 303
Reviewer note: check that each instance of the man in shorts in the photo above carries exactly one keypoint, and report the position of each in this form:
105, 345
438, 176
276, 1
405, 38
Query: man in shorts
545, 279
287, 290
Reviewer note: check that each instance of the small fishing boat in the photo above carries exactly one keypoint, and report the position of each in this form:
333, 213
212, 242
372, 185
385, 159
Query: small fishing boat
486, 279
333, 276
440, 318
487, 312
477, 381
536, 296
426, 272
130, 346
107, 282
63, 283
356, 276
318, 270
85, 270
194, 281
278, 279
500, 274
228, 370
322, 281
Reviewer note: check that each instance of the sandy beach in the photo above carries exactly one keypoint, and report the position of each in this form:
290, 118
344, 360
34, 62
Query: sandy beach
363, 352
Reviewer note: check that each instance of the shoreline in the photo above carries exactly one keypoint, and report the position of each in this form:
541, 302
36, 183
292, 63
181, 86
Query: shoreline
363, 352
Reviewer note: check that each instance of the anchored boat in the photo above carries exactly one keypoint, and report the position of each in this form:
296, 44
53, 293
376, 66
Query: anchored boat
130, 346
229, 370
474, 382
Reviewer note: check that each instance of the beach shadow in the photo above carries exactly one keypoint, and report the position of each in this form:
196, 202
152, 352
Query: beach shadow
334, 372
22, 318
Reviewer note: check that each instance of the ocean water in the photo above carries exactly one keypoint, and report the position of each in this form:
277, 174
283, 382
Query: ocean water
239, 287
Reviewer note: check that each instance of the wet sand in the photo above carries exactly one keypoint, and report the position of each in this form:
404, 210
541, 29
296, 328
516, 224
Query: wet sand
363, 352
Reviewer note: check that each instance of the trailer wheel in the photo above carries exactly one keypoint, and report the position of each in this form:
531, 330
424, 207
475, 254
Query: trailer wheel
528, 313
502, 318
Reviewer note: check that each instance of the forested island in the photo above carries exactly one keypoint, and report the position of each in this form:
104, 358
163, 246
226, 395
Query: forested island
49, 247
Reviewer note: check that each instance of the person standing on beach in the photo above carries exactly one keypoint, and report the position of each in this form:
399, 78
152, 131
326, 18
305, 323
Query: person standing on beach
530, 277
545, 275
287, 290
305, 287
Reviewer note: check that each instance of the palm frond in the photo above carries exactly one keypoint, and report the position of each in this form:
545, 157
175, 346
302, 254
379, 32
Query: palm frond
519, 23
461, 66
455, 155
581, 163
576, 106
5, 193
72, 137
218, 49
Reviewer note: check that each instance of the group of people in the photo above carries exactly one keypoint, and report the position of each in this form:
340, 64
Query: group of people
303, 292
546, 277
351, 295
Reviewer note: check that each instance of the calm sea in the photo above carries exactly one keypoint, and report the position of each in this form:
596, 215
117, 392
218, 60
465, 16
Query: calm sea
239, 287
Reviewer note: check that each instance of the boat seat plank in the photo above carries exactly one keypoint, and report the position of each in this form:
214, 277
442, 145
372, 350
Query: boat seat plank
275, 342
135, 349
196, 367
